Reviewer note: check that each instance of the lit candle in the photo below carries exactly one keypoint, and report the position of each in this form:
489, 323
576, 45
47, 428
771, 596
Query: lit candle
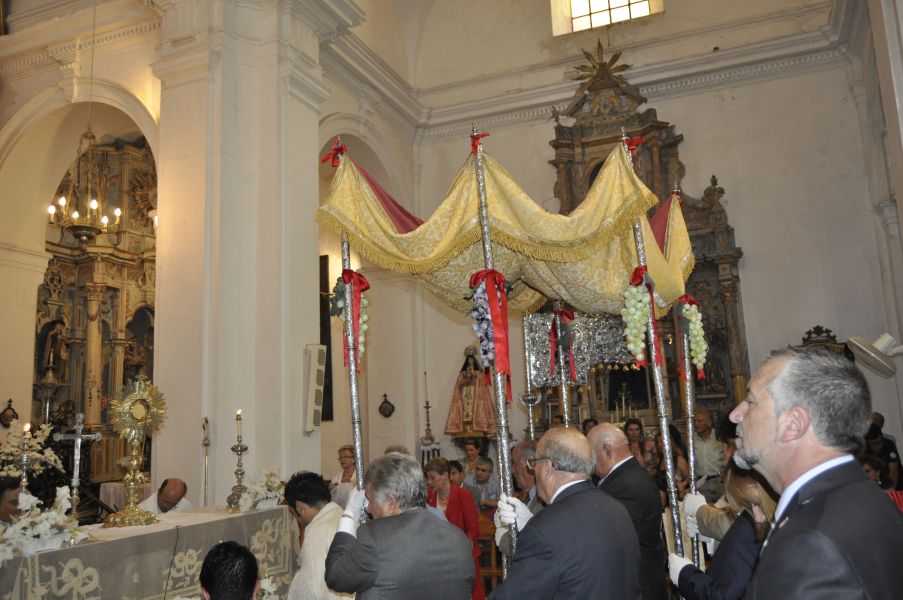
238, 421
26, 431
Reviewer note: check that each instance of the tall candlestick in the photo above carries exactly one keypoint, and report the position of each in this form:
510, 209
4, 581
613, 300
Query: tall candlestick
238, 422
26, 436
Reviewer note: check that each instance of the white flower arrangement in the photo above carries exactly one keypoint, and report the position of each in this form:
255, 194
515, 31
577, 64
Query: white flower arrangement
337, 309
269, 486
636, 314
699, 348
37, 530
39, 453
267, 591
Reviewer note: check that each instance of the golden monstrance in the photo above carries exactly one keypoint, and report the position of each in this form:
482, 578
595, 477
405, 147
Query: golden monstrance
136, 412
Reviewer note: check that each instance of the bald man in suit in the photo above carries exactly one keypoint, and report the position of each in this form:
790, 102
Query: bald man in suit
625, 480
582, 544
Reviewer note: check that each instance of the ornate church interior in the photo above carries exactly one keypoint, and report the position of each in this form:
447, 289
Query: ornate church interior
172, 230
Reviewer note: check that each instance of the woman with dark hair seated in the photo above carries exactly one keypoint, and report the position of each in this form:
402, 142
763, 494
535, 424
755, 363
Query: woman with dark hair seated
731, 568
458, 506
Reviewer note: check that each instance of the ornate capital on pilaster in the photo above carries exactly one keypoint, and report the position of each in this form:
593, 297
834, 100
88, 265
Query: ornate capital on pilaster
890, 218
95, 291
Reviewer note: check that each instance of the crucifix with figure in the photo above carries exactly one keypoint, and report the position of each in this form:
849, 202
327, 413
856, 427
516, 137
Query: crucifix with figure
77, 438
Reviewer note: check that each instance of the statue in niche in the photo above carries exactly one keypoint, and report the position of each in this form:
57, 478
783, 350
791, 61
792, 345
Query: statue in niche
55, 352
471, 406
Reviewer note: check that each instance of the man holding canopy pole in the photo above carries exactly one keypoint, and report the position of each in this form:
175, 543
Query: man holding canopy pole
583, 544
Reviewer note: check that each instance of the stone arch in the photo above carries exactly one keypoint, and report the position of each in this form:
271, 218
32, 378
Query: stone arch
37, 145
368, 148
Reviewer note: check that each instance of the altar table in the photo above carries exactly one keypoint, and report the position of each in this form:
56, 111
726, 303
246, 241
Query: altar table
153, 562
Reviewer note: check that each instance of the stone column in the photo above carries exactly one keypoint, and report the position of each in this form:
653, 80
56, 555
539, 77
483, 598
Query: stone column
237, 251
732, 322
21, 272
117, 366
93, 360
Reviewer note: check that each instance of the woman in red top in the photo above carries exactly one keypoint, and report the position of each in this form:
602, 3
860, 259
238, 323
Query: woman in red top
459, 509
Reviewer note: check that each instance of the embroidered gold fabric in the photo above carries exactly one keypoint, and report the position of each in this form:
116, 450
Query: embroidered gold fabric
584, 259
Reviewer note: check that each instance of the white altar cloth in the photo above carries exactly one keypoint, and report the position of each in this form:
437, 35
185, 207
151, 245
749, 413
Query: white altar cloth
153, 561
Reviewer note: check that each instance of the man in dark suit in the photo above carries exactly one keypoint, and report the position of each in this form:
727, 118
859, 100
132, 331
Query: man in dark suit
520, 454
582, 545
625, 480
404, 553
837, 535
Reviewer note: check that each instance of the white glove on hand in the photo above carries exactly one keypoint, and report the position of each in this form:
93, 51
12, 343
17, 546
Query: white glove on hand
709, 543
500, 528
675, 566
692, 503
351, 518
692, 526
512, 511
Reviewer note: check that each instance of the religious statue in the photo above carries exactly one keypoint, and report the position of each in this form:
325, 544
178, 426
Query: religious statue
55, 352
471, 406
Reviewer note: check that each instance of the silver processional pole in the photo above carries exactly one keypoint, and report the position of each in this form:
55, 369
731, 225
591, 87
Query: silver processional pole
529, 399
351, 344
664, 410
501, 411
564, 391
689, 384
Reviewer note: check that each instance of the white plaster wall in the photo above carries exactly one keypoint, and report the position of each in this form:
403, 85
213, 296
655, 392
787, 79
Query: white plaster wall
513, 39
789, 153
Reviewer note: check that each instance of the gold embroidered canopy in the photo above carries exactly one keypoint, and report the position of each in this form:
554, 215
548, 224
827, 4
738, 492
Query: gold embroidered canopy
584, 259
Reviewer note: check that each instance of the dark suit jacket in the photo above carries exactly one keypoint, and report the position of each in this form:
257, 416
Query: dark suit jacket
410, 556
582, 546
633, 487
731, 567
840, 537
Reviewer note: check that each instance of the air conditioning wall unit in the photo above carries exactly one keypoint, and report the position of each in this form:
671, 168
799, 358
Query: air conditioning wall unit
314, 377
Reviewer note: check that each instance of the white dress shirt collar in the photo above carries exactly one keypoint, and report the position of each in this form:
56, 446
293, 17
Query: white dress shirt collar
564, 487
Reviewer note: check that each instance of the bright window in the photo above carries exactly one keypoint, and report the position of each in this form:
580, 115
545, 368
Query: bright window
586, 14
577, 15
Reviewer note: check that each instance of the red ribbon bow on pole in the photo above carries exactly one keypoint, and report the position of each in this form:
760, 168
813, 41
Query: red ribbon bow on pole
475, 142
633, 144
338, 149
687, 300
498, 314
566, 316
639, 277
359, 285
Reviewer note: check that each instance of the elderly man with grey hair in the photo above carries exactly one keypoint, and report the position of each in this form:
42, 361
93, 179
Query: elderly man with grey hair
583, 544
837, 535
404, 553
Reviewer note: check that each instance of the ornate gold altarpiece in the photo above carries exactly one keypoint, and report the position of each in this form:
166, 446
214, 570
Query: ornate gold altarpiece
585, 133
102, 294
140, 563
